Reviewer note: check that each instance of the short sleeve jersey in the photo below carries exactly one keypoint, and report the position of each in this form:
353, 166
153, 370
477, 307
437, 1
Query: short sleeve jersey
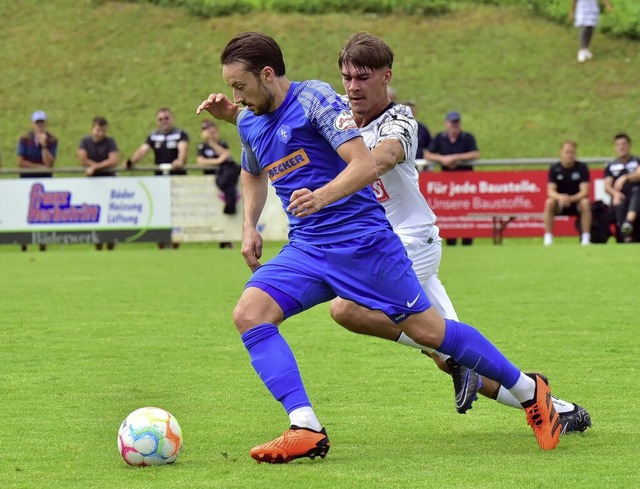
165, 146
398, 190
98, 150
616, 169
568, 180
295, 145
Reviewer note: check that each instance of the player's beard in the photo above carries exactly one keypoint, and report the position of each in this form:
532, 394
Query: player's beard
268, 100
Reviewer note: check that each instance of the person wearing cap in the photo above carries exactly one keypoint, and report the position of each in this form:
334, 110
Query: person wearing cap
454, 149
37, 148
424, 136
212, 152
169, 144
214, 156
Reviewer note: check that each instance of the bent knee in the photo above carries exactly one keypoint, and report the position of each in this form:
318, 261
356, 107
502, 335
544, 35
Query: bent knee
341, 310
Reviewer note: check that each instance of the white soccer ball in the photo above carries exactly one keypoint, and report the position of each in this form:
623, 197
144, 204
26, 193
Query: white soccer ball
150, 436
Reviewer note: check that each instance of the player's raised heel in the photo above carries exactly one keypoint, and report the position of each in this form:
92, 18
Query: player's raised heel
542, 416
466, 384
294, 443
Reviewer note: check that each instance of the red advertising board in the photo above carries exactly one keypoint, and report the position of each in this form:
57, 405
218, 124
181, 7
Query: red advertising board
476, 204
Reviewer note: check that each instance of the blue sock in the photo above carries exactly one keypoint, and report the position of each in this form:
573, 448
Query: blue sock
276, 366
467, 345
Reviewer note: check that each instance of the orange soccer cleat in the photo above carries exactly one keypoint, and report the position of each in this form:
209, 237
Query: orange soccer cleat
542, 416
295, 443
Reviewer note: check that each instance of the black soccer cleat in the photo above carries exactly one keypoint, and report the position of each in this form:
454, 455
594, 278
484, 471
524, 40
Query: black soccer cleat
466, 384
577, 420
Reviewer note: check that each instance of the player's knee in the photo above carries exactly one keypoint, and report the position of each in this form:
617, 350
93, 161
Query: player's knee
244, 318
340, 311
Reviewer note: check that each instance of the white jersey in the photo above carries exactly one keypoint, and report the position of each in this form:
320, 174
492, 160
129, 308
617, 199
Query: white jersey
398, 190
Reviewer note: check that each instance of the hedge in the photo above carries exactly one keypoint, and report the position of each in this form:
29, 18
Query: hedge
624, 20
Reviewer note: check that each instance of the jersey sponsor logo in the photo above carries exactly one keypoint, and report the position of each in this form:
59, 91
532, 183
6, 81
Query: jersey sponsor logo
284, 133
344, 121
287, 164
380, 191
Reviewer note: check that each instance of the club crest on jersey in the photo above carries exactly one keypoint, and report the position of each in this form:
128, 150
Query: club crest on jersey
287, 164
284, 133
344, 121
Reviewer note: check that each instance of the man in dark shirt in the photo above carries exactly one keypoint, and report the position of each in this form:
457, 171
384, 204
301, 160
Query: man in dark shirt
169, 144
37, 148
454, 148
568, 193
622, 183
97, 152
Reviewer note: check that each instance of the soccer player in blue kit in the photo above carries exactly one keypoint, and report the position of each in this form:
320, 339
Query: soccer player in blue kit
301, 137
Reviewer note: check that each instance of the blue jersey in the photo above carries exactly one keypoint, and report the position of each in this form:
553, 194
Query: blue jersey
296, 146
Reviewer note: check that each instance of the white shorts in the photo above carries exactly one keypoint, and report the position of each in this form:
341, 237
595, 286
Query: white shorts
426, 254
587, 13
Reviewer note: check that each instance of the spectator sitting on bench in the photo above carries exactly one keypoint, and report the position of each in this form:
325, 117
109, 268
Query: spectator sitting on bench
568, 193
622, 183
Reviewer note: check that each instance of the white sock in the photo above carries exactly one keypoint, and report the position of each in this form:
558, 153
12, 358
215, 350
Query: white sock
304, 417
403, 339
525, 388
562, 406
505, 397
586, 238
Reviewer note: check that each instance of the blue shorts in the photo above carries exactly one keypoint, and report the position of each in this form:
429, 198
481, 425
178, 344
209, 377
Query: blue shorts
373, 271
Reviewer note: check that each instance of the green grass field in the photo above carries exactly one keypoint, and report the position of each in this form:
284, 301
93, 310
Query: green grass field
87, 337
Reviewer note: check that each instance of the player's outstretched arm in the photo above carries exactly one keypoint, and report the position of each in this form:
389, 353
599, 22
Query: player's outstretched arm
220, 107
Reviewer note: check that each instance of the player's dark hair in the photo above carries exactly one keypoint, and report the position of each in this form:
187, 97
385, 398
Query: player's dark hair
165, 110
622, 135
366, 51
255, 50
99, 121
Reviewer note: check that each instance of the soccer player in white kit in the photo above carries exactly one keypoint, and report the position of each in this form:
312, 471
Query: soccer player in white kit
390, 132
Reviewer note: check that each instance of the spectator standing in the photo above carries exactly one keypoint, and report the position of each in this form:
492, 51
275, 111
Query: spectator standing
424, 136
212, 152
169, 144
585, 15
568, 193
37, 148
98, 154
454, 149
622, 183
215, 157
